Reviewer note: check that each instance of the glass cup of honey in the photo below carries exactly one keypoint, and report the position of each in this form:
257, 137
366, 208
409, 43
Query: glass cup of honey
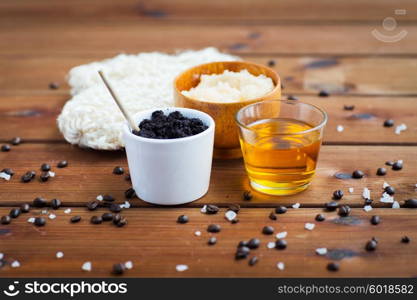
280, 142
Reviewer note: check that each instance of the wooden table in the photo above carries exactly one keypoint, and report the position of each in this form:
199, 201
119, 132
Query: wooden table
326, 45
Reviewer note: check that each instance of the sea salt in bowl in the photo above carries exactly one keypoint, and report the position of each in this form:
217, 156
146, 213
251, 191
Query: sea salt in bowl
170, 171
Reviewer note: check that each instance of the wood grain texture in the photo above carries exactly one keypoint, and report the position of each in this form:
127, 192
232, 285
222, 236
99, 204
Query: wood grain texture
155, 243
90, 174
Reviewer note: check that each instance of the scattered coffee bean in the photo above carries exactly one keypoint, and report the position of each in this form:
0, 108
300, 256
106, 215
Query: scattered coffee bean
107, 217
117, 218
39, 202
75, 219
56, 203
235, 220
375, 220
5, 220
26, 178
212, 209
243, 244
16, 141
182, 219
292, 97
389, 190
368, 201
118, 170
32, 174
96, 220
388, 123
8, 171
212, 241
338, 194
331, 206
273, 216
410, 203
44, 176
405, 239
127, 177
268, 230
349, 107
320, 218
389, 163
5, 148
381, 171
122, 222
253, 261
14, 213
213, 228
271, 63
45, 167
234, 207
92, 205
254, 243
129, 193
25, 208
114, 207
242, 252
54, 85
62, 164
324, 93
398, 165
118, 269
371, 245
357, 174
281, 244
108, 198
281, 210
333, 267
344, 211
39, 221
247, 196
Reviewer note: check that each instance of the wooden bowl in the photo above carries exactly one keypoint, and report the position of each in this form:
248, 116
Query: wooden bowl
226, 141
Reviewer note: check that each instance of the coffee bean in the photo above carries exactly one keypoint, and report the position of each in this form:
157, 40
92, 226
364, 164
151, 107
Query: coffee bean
410, 203
234, 221
130, 193
344, 211
5, 148
338, 194
253, 261
247, 196
56, 203
45, 167
281, 210
324, 93
268, 230
32, 174
331, 206
16, 141
242, 252
389, 190
107, 216
320, 218
96, 220
62, 164
292, 97
357, 174
75, 219
234, 207
44, 176
114, 207
388, 123
54, 85
243, 244
118, 269
212, 241
375, 220
117, 218
254, 243
398, 165
14, 213
213, 228
211, 209
405, 239
108, 198
122, 222
371, 245
39, 202
39, 221
127, 177
333, 267
281, 244
5, 220
381, 171
25, 208
118, 170
271, 63
368, 201
389, 162
26, 178
349, 107
8, 171
273, 216
182, 219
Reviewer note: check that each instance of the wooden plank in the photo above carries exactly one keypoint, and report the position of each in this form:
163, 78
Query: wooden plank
300, 74
217, 10
90, 174
63, 36
34, 118
155, 243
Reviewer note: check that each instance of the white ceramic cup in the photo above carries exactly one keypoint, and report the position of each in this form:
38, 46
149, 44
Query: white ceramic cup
170, 171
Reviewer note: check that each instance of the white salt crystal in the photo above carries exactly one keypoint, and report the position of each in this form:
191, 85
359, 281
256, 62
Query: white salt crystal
309, 226
386, 198
351, 190
281, 266
125, 205
340, 128
230, 215
51, 174
181, 268
44, 212
367, 208
204, 209
99, 198
15, 264
366, 194
197, 233
281, 235
385, 184
270, 245
31, 220
296, 205
128, 265
52, 216
1, 255
67, 211
87, 266
59, 254
395, 205
321, 251
5, 176
400, 128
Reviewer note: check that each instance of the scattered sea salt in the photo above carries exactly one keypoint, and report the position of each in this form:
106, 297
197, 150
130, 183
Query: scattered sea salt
86, 266
367, 208
321, 251
309, 226
67, 211
44, 211
385, 184
52, 216
5, 176
31, 220
197, 233
204, 209
1, 255
230, 215
351, 190
270, 245
99, 198
281, 235
128, 265
386, 198
340, 128
296, 205
51, 174
281, 266
59, 254
400, 128
395, 205
15, 264
366, 194
125, 205
181, 268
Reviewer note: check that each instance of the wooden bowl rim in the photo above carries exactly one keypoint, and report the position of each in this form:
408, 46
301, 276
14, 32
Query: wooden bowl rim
242, 62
